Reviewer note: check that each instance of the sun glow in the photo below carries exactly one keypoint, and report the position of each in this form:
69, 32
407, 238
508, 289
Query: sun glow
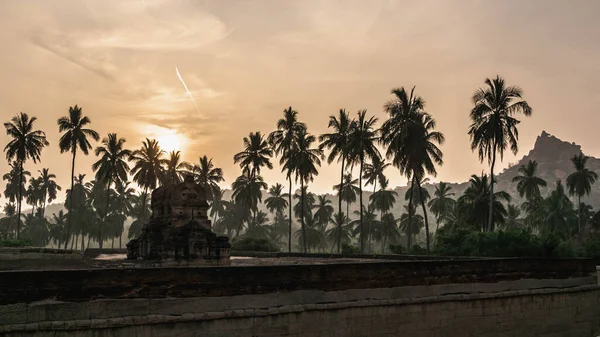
168, 139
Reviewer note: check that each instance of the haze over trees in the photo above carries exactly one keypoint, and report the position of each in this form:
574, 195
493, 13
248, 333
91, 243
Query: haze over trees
364, 215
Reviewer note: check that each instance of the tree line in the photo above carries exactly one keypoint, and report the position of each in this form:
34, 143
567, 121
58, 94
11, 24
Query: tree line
407, 140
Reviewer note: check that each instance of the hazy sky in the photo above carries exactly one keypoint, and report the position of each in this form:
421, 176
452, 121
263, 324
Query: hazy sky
245, 61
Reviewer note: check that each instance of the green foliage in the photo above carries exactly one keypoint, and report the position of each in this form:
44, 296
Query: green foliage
348, 249
253, 245
591, 249
14, 243
397, 249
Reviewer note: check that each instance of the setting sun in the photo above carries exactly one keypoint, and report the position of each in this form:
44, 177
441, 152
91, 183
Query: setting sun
168, 139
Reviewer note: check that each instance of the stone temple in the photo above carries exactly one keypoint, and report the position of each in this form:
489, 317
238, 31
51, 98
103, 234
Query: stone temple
179, 228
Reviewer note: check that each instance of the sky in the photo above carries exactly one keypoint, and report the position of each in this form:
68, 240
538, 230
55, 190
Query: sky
245, 61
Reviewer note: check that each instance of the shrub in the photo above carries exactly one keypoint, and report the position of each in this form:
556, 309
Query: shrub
591, 249
14, 243
397, 249
253, 245
348, 249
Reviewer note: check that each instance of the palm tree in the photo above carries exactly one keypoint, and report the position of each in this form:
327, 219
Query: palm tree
494, 126
174, 169
147, 167
34, 193
303, 161
208, 176
276, 201
36, 230
337, 143
123, 205
341, 229
257, 153
324, 211
557, 213
362, 145
217, 207
408, 226
411, 141
49, 188
75, 136
375, 172
528, 183
13, 177
58, 228
283, 140
247, 192
388, 230
26, 143
512, 217
580, 182
309, 201
349, 191
442, 204
472, 204
10, 222
111, 168
383, 201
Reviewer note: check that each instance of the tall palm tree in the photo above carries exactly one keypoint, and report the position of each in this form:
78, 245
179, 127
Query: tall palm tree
276, 201
580, 182
26, 143
494, 127
408, 226
257, 153
147, 167
383, 201
111, 168
303, 161
323, 211
388, 229
123, 205
442, 204
341, 228
374, 173
58, 227
337, 143
217, 206
557, 213
348, 191
283, 140
208, 176
13, 177
75, 136
49, 188
513, 220
309, 201
362, 142
528, 183
175, 168
34, 193
247, 192
36, 230
472, 203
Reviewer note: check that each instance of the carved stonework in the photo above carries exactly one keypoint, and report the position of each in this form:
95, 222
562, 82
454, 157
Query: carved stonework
179, 228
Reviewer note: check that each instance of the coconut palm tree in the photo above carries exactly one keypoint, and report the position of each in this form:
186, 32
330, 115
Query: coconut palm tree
247, 192
557, 213
388, 231
341, 224
323, 211
123, 205
362, 142
419, 193
373, 173
442, 204
34, 193
309, 201
217, 206
369, 220
410, 226
10, 222
75, 136
337, 143
147, 167
580, 182
493, 127
303, 161
258, 227
349, 191
49, 188
13, 177
312, 236
383, 201
283, 140
26, 143
257, 153
174, 169
111, 168
36, 230
472, 203
57, 228
208, 176
528, 183
276, 202
512, 217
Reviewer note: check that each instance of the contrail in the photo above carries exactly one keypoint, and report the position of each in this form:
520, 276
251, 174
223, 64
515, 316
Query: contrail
186, 89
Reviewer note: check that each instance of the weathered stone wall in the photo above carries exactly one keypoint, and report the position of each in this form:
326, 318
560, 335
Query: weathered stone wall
554, 308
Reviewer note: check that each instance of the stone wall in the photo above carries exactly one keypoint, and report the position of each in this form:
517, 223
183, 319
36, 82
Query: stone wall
515, 308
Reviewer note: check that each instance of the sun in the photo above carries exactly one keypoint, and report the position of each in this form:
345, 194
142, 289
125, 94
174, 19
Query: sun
170, 142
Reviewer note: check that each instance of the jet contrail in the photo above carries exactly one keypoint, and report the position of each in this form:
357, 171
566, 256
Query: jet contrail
186, 89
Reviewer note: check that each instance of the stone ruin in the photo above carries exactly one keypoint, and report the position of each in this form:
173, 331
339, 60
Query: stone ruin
179, 229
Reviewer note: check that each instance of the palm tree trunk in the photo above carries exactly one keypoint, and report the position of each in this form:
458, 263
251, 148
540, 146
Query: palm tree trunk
71, 195
20, 199
290, 210
112, 243
410, 200
425, 216
302, 215
121, 240
88, 243
105, 214
383, 236
339, 234
82, 238
369, 237
75, 240
72, 242
579, 215
144, 202
491, 206
362, 234
44, 204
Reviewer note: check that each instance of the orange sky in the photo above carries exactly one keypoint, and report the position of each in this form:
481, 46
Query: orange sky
245, 61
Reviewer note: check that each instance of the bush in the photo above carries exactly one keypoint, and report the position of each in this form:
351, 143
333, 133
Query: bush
348, 249
14, 243
591, 249
417, 250
414, 250
253, 245
397, 249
